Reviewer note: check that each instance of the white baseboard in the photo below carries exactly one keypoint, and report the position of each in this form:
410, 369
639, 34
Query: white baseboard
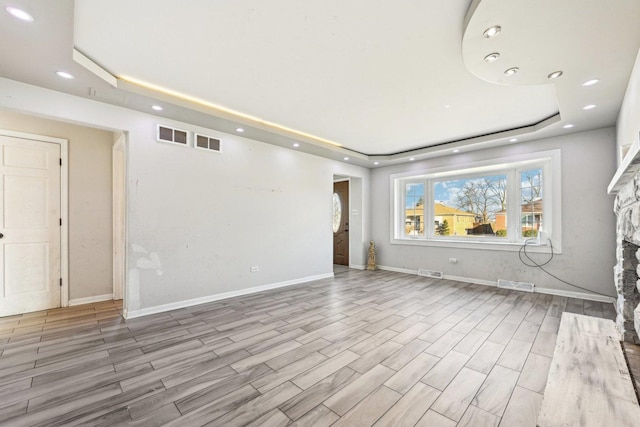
472, 280
357, 267
558, 292
90, 300
578, 295
398, 270
131, 314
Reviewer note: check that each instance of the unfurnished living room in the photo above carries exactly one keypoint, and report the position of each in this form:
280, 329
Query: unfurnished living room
336, 213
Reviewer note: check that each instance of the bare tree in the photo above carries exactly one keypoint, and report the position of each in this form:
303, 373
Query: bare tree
499, 188
482, 197
534, 184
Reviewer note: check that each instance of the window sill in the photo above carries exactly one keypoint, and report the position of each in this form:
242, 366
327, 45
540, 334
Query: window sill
486, 245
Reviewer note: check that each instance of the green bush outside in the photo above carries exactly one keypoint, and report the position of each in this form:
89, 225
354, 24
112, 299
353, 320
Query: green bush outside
501, 233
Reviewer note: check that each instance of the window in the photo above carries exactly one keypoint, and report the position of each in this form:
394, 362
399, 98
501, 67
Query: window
500, 203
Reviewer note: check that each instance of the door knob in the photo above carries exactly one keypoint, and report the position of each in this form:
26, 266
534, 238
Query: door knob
1, 235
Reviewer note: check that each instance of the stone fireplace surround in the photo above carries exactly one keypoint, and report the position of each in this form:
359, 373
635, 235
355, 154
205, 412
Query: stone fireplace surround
627, 269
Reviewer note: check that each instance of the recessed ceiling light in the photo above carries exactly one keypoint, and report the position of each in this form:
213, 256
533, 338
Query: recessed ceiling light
511, 71
589, 107
411, 159
346, 158
447, 106
590, 82
492, 57
513, 140
64, 75
157, 107
239, 130
554, 75
19, 13
376, 163
568, 126
457, 150
296, 145
492, 31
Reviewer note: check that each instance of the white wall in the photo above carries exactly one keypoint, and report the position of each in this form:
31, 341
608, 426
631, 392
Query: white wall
588, 162
197, 221
628, 124
90, 259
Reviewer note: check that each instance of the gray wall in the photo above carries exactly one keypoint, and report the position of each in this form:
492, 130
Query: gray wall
90, 218
196, 220
588, 222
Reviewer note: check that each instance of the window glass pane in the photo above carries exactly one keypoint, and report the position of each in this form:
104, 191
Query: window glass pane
337, 212
531, 202
414, 209
471, 207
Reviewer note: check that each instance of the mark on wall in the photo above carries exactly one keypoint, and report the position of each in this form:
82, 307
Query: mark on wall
146, 261
151, 262
259, 189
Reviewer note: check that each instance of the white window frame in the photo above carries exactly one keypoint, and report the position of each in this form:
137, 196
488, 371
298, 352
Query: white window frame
512, 166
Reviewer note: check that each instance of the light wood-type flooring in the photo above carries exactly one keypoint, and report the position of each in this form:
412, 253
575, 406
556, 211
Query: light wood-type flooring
365, 348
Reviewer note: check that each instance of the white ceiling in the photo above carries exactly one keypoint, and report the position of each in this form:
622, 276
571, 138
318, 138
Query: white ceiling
388, 80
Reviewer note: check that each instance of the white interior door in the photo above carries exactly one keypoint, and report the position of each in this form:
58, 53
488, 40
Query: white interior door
30, 225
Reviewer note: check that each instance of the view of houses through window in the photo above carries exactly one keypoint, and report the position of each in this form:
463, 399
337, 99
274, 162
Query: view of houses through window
474, 206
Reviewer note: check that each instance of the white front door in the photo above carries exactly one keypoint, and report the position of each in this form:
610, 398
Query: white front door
30, 225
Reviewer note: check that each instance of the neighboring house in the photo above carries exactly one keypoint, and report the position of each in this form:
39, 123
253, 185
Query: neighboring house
458, 220
531, 215
501, 220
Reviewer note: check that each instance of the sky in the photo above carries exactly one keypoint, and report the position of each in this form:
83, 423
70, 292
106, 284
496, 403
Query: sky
446, 191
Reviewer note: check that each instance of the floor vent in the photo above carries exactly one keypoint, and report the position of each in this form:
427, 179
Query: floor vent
516, 286
431, 273
176, 136
207, 143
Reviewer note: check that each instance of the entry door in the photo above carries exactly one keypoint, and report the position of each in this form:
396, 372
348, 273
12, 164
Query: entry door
30, 225
341, 223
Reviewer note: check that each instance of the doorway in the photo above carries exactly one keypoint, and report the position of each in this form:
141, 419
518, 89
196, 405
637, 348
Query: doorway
341, 223
32, 243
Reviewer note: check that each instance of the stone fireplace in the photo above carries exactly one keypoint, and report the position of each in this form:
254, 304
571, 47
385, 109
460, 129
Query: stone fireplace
627, 270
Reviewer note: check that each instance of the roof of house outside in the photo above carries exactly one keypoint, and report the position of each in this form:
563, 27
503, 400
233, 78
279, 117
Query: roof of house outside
442, 209
535, 206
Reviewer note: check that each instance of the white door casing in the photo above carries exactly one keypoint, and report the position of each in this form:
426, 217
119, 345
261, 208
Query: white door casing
31, 264
119, 219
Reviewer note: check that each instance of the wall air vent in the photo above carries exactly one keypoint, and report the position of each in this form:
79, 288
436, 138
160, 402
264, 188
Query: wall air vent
516, 286
175, 136
207, 143
430, 273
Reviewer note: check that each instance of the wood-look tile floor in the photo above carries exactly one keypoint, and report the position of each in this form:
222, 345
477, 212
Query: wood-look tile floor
365, 348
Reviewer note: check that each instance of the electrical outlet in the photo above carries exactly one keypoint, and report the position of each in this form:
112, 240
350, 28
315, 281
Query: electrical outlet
255, 269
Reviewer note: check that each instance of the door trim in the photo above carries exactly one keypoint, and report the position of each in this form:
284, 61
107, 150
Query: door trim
348, 180
64, 204
119, 194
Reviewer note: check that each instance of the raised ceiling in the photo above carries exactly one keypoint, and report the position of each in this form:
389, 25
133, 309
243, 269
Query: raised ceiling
387, 80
